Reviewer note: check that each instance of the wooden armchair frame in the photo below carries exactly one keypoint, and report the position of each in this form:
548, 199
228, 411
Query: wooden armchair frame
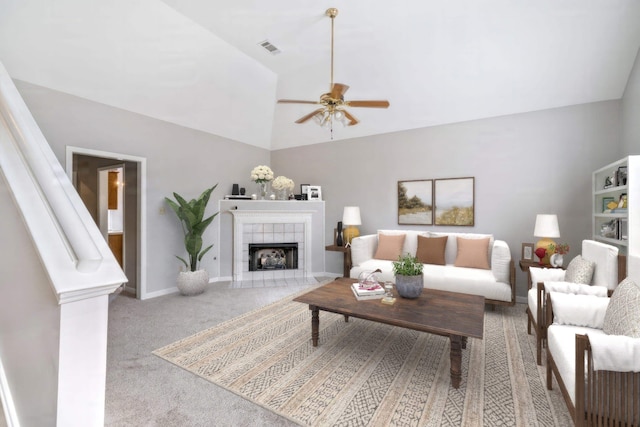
603, 398
539, 326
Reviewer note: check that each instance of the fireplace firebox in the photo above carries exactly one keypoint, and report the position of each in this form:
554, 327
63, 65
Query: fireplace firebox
273, 256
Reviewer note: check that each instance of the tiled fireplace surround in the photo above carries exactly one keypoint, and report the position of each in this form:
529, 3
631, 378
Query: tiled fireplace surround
271, 226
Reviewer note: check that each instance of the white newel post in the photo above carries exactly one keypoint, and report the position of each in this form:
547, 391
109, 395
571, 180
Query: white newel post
83, 362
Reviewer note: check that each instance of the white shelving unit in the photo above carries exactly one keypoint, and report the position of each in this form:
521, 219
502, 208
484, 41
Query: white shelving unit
610, 183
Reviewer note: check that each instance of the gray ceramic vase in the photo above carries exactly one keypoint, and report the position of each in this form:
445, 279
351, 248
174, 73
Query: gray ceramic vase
409, 286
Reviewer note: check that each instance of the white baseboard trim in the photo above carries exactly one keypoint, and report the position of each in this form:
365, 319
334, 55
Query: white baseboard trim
8, 407
161, 293
521, 300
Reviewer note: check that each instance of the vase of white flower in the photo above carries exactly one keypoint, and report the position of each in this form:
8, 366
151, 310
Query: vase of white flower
283, 186
262, 175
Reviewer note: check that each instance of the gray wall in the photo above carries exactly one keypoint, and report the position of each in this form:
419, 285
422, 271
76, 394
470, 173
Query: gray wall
539, 162
178, 159
631, 111
524, 164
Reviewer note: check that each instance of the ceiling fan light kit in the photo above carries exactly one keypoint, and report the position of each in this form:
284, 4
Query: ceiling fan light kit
333, 106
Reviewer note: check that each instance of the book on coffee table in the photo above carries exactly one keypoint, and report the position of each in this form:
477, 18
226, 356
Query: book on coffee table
365, 293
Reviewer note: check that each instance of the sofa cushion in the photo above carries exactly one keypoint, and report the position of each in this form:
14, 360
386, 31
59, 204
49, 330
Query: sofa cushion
561, 343
623, 316
473, 253
541, 275
579, 310
431, 249
606, 258
389, 246
579, 270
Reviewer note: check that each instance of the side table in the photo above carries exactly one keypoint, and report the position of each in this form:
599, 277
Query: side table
526, 263
346, 263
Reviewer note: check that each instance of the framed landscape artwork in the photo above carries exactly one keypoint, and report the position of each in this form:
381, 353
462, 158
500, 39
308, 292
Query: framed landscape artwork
415, 202
454, 201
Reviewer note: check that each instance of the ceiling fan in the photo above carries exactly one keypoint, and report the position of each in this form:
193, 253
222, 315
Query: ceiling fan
332, 102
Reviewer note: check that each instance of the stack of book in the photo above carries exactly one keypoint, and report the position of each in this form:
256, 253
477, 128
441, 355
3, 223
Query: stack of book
367, 291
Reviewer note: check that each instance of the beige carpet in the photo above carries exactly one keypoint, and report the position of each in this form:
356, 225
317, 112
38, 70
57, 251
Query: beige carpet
367, 374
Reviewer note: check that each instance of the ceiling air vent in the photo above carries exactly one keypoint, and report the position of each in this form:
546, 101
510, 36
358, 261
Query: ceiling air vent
271, 48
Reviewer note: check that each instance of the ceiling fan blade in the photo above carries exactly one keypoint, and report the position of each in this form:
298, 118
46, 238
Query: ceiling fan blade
369, 104
308, 116
295, 101
352, 120
338, 90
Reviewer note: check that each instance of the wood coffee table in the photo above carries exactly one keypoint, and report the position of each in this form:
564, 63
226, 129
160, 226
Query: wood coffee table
451, 314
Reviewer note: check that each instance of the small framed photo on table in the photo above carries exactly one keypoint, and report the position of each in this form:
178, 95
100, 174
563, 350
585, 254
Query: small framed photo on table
527, 251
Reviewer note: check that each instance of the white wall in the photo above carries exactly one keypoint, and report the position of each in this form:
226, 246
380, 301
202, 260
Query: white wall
539, 162
178, 159
631, 112
29, 321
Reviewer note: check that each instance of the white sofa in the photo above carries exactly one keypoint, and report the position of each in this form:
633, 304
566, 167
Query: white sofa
496, 284
597, 372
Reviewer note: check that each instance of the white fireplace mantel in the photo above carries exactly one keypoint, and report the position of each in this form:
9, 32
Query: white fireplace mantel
243, 217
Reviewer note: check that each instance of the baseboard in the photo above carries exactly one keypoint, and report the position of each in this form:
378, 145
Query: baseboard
522, 300
9, 409
161, 293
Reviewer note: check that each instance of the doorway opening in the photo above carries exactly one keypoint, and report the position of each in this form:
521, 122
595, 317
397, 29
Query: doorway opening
112, 187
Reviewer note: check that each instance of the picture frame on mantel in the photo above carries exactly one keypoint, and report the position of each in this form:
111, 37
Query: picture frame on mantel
454, 201
304, 188
314, 192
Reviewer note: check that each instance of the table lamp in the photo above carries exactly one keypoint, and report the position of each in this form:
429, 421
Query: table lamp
351, 218
546, 228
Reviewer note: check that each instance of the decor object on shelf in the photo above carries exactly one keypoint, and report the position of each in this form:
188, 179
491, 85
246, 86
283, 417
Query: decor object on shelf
547, 229
415, 202
333, 103
262, 175
557, 254
283, 186
191, 216
351, 218
408, 272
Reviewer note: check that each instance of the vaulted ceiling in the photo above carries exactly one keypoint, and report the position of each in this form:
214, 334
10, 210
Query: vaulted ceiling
199, 63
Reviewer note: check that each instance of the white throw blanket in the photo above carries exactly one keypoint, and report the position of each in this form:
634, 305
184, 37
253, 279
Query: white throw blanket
615, 353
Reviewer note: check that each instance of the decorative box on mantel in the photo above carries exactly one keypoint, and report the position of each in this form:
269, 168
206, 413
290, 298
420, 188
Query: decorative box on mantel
280, 224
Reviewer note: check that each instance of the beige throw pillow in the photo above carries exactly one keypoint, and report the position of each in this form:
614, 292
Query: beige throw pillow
623, 316
389, 246
579, 270
473, 253
431, 250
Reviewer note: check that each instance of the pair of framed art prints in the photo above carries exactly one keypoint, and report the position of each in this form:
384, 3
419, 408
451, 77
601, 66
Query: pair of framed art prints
447, 201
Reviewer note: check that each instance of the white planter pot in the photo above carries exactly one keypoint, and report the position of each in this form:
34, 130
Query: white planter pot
192, 282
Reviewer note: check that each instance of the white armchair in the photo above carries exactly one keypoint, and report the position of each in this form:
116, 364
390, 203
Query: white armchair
596, 365
609, 270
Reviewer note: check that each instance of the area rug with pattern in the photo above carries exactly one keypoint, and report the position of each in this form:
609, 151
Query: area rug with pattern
368, 374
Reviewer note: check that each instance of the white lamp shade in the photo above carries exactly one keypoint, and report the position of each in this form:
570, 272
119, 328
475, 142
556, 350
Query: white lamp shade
546, 226
351, 215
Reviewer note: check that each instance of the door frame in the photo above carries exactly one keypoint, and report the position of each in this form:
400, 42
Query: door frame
141, 244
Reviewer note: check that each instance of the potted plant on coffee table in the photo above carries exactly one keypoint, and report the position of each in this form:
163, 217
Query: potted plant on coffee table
191, 215
408, 272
